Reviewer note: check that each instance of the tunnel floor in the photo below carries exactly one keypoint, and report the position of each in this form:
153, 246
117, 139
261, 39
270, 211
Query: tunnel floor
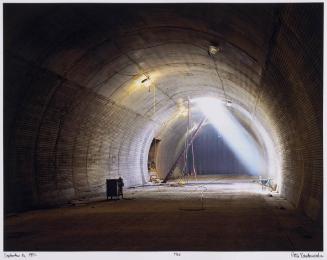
203, 215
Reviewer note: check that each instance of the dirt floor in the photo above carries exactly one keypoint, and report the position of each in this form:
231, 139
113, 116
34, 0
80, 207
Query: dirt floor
204, 215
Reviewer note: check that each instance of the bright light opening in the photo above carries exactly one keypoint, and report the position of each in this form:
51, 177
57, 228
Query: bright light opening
235, 135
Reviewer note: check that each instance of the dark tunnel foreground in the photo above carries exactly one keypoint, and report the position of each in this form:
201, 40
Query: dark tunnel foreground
87, 87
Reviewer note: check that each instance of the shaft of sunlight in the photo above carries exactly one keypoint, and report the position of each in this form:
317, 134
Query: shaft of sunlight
272, 159
234, 134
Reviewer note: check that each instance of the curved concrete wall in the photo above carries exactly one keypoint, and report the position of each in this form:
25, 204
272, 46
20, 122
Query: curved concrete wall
75, 112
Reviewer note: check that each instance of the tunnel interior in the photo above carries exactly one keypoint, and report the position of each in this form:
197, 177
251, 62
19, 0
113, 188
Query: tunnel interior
89, 87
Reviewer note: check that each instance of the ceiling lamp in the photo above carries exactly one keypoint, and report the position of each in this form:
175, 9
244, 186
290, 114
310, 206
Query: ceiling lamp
213, 50
145, 80
228, 103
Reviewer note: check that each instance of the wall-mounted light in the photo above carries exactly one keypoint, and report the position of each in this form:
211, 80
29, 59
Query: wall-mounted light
213, 50
229, 103
182, 110
145, 80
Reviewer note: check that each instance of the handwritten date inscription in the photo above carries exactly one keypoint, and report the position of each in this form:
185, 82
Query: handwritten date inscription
19, 255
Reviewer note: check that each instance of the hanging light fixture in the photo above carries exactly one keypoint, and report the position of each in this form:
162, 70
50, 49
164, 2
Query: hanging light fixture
229, 103
145, 79
213, 50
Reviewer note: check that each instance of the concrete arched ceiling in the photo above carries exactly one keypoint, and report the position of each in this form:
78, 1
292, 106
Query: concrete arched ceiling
77, 112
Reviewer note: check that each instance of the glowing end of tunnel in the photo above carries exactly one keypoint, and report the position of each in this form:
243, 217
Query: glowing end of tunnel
234, 134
